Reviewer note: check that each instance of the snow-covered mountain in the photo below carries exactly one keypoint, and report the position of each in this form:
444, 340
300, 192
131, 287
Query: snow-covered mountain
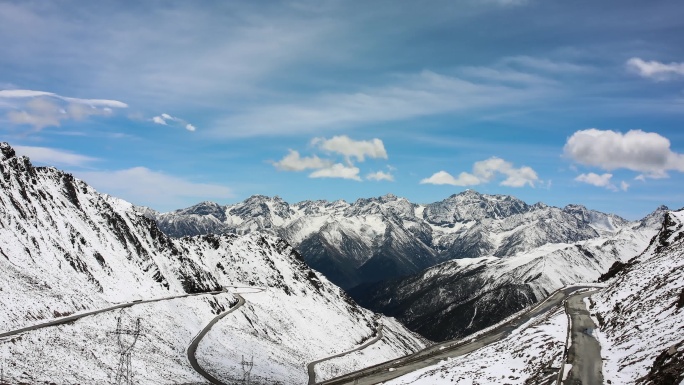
640, 318
387, 237
65, 249
641, 312
461, 296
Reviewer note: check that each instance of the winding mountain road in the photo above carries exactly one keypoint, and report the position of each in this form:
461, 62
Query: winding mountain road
312, 365
72, 318
436, 353
584, 353
192, 349
193, 345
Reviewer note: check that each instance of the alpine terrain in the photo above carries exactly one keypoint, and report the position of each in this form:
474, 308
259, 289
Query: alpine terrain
462, 296
68, 250
638, 323
445, 269
376, 239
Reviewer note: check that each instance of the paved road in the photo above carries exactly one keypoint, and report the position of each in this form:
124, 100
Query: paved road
192, 349
193, 345
436, 353
72, 318
311, 366
585, 351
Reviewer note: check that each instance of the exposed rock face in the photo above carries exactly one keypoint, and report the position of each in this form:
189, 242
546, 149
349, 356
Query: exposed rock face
388, 237
461, 296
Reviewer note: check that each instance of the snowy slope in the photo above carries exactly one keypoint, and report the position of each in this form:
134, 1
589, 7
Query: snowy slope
641, 318
641, 312
66, 249
528, 356
461, 296
387, 237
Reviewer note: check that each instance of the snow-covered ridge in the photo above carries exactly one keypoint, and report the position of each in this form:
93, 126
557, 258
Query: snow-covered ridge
379, 238
65, 248
641, 312
461, 296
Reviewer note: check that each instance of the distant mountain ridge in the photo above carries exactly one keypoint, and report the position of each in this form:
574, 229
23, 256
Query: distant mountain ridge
381, 238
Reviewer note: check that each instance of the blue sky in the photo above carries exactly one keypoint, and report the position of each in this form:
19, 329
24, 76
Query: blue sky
168, 103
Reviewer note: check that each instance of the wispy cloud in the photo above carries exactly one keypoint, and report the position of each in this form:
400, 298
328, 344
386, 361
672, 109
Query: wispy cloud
545, 64
166, 119
155, 189
26, 94
646, 152
54, 157
486, 171
422, 94
655, 70
41, 109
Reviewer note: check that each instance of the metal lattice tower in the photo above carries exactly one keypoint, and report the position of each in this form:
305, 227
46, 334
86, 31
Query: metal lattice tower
247, 370
126, 339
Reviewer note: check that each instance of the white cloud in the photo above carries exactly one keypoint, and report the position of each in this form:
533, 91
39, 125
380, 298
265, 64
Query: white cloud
24, 94
351, 150
645, 152
348, 147
39, 113
54, 157
158, 190
655, 69
485, 171
443, 177
294, 162
46, 109
337, 170
159, 120
164, 119
519, 177
603, 180
380, 175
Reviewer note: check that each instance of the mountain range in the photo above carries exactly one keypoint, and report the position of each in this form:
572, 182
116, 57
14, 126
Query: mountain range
387, 237
445, 269
67, 249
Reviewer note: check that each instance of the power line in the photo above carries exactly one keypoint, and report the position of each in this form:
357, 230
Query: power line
126, 338
247, 370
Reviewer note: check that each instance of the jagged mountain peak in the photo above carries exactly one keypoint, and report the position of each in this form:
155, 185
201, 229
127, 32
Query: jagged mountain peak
655, 218
471, 205
387, 205
205, 208
7, 151
258, 198
389, 233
